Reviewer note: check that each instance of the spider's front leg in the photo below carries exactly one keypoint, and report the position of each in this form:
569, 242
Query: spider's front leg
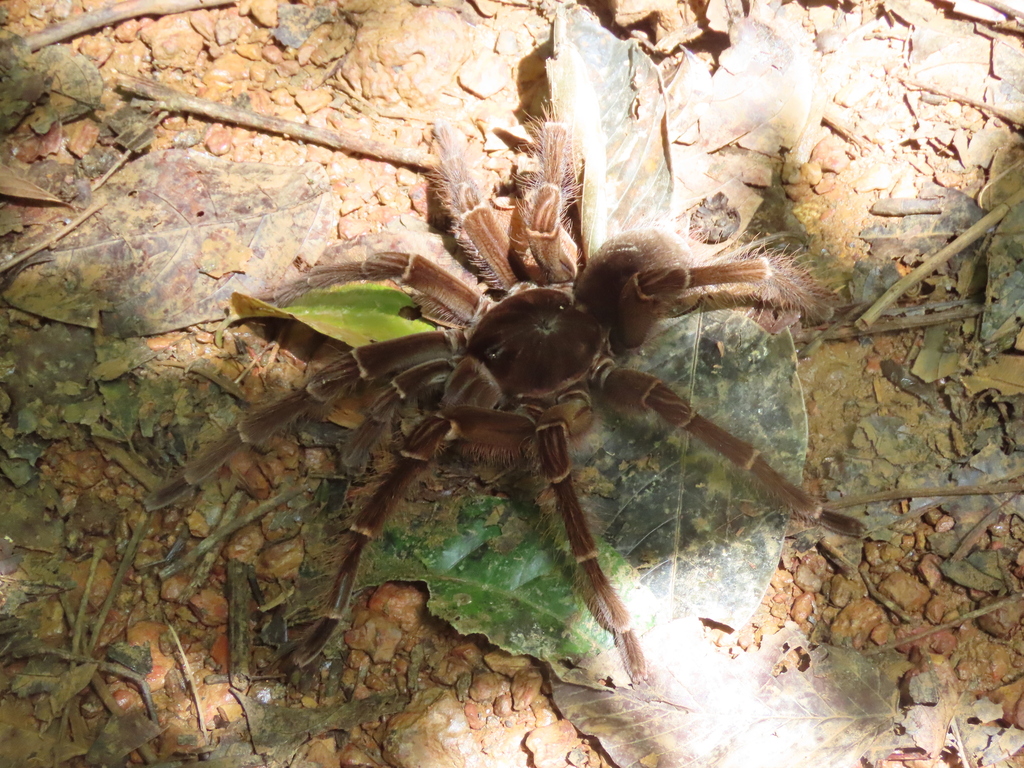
492, 434
642, 276
554, 429
634, 391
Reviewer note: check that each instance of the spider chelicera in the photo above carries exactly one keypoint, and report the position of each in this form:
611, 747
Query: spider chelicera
510, 373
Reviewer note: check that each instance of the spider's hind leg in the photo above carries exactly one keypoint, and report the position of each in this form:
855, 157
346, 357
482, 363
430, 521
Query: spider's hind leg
633, 391
554, 428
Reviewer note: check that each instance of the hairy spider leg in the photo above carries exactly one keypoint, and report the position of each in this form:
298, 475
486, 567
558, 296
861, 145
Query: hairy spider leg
479, 228
633, 391
315, 400
443, 297
493, 434
544, 215
638, 278
554, 429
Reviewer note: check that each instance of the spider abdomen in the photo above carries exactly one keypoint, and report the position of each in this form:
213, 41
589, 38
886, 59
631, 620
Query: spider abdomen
536, 342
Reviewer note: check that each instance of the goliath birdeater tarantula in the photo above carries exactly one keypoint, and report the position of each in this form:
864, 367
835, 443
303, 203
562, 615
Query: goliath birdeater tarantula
511, 375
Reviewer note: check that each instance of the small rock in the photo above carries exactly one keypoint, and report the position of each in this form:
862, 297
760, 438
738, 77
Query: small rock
936, 609
811, 573
173, 42
484, 75
830, 154
876, 177
487, 686
313, 101
432, 732
928, 569
377, 636
282, 561
265, 12
906, 591
403, 604
550, 745
1003, 621
526, 687
855, 623
505, 663
227, 69
210, 607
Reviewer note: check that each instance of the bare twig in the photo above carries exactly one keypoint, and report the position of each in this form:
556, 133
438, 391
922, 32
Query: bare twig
215, 538
948, 625
968, 542
1016, 486
103, 17
27, 254
176, 101
841, 331
187, 670
879, 597
76, 637
932, 263
1015, 118
122, 570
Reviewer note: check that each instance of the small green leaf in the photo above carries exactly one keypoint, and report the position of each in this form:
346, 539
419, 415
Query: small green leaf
354, 314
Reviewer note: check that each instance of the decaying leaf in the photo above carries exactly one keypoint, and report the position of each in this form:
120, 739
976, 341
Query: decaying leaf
784, 705
139, 266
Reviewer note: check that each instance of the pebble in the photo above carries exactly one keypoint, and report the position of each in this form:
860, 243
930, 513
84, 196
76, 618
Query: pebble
551, 744
906, 591
830, 154
432, 732
218, 140
282, 561
876, 177
855, 623
928, 569
484, 75
82, 136
803, 607
526, 685
403, 604
227, 69
173, 42
506, 44
313, 101
1002, 622
210, 607
264, 12
245, 545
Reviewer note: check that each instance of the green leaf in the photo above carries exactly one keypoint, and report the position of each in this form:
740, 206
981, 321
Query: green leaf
490, 571
354, 314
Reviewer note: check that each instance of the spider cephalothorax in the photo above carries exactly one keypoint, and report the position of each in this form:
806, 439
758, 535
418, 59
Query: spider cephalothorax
511, 375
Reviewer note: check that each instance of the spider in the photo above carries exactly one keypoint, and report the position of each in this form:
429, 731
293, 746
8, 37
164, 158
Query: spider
511, 370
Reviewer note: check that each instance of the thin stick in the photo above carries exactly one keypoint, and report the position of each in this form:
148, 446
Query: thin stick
76, 638
103, 17
176, 101
968, 542
52, 238
948, 625
187, 669
122, 570
1011, 117
215, 538
914, 493
878, 596
932, 263
839, 331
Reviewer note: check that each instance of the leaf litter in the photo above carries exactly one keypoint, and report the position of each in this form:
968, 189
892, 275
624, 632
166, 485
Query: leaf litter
900, 432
